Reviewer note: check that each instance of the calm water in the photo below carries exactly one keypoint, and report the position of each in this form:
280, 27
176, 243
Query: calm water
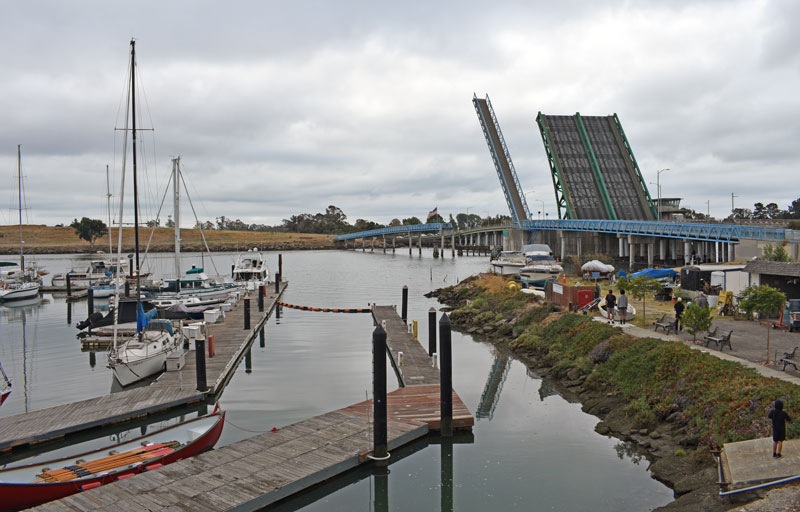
531, 449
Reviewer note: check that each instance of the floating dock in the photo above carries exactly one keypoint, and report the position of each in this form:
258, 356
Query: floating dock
254, 473
170, 390
750, 463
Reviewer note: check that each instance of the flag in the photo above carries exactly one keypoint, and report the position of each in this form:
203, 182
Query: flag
433, 213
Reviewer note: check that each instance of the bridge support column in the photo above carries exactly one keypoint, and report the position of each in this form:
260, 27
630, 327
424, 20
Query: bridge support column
372, 244
563, 240
410, 242
363, 244
686, 252
716, 252
621, 247
394, 243
662, 250
650, 253
453, 246
731, 251
579, 245
631, 253
419, 244
442, 251
384, 243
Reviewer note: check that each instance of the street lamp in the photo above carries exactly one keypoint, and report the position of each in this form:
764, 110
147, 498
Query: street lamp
658, 188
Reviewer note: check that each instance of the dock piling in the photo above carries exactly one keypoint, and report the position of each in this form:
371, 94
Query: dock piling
261, 292
277, 282
446, 376
261, 338
248, 362
69, 285
200, 363
246, 313
280, 266
431, 331
404, 309
127, 288
90, 300
380, 451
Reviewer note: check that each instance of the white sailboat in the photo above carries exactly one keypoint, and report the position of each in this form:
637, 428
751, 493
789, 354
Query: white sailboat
143, 354
23, 285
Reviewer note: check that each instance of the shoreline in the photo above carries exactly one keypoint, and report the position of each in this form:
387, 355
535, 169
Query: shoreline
678, 451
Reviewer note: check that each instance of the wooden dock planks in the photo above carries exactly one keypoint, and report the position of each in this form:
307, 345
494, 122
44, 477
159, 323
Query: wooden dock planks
259, 471
416, 368
170, 390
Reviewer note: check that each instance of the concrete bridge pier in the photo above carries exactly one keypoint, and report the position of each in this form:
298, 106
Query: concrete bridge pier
419, 243
732, 251
363, 244
579, 245
662, 250
410, 243
563, 240
650, 253
631, 253
394, 243
453, 245
384, 243
442, 248
621, 247
372, 244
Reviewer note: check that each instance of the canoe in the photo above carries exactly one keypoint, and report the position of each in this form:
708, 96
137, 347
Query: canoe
630, 313
31, 485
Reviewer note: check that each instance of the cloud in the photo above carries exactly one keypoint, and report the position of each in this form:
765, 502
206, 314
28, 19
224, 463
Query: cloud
278, 109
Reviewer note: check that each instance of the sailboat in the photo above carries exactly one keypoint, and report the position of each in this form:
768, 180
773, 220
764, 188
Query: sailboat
144, 353
23, 285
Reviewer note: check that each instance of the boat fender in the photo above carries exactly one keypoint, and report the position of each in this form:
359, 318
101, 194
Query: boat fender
92, 485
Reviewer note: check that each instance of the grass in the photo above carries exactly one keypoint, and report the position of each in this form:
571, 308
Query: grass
52, 239
719, 401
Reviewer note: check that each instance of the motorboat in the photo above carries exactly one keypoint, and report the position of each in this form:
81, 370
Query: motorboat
96, 271
31, 485
107, 287
508, 263
250, 270
18, 291
192, 290
630, 312
540, 266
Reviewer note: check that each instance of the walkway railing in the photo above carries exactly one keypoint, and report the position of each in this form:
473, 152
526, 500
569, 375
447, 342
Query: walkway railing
434, 227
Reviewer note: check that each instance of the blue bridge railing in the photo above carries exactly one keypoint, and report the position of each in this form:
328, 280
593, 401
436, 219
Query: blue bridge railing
434, 227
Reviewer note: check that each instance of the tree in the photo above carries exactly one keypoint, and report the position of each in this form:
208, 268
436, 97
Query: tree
89, 229
434, 219
170, 222
776, 253
794, 209
639, 288
411, 221
696, 319
764, 300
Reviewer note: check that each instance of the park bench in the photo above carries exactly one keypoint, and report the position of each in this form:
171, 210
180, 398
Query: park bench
720, 337
787, 356
667, 323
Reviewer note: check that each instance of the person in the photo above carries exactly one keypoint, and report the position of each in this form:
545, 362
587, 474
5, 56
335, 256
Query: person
779, 419
622, 306
611, 303
679, 307
702, 300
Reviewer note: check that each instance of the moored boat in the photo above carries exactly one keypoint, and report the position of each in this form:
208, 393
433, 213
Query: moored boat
630, 312
32, 485
250, 270
5, 385
508, 263
540, 266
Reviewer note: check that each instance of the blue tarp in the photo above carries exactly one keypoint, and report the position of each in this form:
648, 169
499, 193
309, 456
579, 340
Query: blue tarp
142, 318
655, 273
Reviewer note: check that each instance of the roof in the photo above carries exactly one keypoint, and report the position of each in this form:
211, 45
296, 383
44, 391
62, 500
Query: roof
706, 267
775, 268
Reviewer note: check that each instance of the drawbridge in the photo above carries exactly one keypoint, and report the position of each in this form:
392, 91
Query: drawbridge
594, 172
502, 161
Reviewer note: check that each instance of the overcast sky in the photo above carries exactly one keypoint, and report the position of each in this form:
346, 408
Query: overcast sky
280, 108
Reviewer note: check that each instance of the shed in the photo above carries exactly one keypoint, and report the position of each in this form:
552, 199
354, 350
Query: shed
783, 276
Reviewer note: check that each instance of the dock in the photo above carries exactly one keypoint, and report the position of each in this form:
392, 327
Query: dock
171, 389
749, 463
262, 470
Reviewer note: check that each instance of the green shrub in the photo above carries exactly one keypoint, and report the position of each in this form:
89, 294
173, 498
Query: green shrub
640, 413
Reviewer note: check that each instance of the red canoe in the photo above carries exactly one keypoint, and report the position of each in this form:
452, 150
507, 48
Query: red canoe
28, 486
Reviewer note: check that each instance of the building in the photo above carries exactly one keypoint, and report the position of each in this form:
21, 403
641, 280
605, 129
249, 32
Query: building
783, 276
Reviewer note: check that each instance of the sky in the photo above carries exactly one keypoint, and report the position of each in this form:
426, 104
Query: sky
282, 108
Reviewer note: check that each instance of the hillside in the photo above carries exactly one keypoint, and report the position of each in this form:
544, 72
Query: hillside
50, 239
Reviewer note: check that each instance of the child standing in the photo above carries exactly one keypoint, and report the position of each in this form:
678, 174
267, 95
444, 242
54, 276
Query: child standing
779, 419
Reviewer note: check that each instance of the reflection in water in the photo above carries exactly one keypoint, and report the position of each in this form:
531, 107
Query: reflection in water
494, 385
380, 477
546, 388
446, 473
628, 450
18, 311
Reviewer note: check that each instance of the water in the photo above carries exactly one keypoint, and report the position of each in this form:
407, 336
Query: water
531, 449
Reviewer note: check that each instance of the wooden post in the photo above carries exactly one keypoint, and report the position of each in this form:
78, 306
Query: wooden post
127, 288
261, 293
246, 314
431, 331
446, 376
261, 338
248, 362
277, 283
404, 308
69, 285
90, 300
380, 449
280, 266
200, 363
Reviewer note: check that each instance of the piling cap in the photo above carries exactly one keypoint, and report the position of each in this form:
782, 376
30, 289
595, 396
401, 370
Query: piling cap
432, 310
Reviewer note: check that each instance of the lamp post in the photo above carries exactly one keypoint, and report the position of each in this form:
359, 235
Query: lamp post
658, 188
542, 207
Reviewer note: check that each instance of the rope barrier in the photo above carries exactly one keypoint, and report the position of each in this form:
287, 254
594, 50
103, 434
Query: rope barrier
326, 310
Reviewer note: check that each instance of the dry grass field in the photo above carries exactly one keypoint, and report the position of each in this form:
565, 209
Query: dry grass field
51, 239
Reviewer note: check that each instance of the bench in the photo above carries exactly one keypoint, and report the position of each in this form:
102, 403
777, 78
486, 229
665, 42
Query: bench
667, 323
720, 337
786, 358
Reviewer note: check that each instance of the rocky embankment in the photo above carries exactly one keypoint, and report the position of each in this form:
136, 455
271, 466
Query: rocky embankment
673, 438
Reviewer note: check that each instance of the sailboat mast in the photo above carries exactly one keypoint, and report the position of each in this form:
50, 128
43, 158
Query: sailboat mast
108, 209
19, 191
135, 185
176, 198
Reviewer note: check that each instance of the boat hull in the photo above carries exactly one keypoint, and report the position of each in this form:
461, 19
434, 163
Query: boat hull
16, 496
27, 292
506, 268
3, 395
